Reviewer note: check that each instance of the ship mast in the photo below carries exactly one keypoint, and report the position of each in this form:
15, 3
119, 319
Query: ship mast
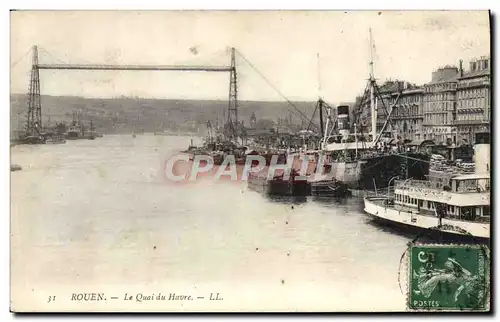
373, 108
326, 130
320, 101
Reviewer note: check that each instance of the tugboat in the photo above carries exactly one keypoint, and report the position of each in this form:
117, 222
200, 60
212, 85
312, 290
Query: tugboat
73, 133
458, 204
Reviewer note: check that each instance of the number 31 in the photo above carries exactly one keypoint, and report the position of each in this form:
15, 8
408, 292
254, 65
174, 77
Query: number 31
52, 298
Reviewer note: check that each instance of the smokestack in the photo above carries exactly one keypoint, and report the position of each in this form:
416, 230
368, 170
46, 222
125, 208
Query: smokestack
461, 68
482, 152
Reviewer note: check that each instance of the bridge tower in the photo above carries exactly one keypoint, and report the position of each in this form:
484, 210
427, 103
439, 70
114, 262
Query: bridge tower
34, 119
232, 115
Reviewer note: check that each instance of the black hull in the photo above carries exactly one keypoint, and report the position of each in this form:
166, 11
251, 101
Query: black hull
279, 187
34, 140
377, 172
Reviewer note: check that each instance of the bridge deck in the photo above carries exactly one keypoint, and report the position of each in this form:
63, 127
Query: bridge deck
135, 67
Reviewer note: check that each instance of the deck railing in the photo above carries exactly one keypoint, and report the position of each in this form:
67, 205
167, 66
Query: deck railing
405, 184
383, 192
462, 187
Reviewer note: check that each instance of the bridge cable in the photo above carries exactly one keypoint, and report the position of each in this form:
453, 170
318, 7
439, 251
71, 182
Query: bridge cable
277, 90
49, 54
12, 65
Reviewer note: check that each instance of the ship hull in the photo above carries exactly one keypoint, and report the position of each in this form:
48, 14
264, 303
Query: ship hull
55, 141
377, 172
376, 209
279, 187
329, 188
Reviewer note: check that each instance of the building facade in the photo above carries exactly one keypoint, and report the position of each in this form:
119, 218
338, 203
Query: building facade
450, 109
404, 102
473, 100
407, 114
387, 92
439, 108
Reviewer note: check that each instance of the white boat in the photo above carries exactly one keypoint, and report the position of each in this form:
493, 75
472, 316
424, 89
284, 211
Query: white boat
458, 204
464, 210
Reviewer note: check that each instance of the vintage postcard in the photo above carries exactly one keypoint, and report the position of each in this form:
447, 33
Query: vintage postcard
250, 161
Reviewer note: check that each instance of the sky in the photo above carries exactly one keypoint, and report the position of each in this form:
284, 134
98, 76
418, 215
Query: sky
284, 46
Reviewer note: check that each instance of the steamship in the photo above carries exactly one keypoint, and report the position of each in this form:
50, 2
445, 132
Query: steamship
364, 164
457, 205
363, 161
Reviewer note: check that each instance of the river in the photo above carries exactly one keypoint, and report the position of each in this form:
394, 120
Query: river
98, 216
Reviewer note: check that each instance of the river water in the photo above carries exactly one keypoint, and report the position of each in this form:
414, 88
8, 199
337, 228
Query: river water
98, 216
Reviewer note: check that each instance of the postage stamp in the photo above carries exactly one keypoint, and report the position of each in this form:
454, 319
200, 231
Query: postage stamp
448, 277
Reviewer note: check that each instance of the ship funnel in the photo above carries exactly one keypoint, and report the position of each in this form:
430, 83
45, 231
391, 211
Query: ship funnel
482, 156
343, 121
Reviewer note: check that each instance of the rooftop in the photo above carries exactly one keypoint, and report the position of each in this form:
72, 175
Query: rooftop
442, 80
445, 75
476, 73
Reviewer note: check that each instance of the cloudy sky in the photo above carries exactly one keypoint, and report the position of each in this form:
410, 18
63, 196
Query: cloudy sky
283, 46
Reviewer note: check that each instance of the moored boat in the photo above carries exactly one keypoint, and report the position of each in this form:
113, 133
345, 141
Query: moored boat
463, 210
457, 204
15, 167
55, 140
73, 133
329, 188
34, 139
278, 185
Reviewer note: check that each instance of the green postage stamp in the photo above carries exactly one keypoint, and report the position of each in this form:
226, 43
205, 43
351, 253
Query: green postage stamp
448, 278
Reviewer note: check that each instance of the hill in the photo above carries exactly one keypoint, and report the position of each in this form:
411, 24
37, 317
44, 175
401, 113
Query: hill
126, 114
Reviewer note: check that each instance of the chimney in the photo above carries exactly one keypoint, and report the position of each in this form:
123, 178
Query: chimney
473, 66
461, 68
